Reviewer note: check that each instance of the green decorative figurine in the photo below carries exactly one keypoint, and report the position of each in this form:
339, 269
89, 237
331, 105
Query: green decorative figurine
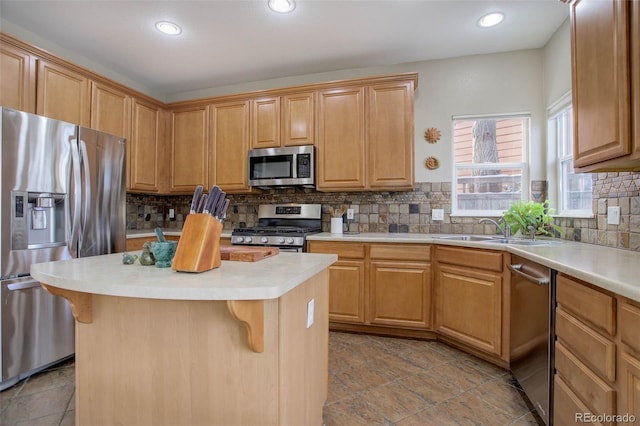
129, 259
147, 258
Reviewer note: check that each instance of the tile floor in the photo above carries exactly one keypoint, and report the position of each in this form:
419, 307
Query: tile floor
372, 381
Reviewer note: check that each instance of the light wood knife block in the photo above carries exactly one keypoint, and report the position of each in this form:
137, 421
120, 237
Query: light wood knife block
199, 245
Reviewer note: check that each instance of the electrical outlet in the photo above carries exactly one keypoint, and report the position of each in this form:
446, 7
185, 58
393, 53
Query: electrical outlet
350, 214
437, 214
310, 307
613, 215
172, 214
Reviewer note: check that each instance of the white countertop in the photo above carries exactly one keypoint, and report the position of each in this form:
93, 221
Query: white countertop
269, 278
609, 268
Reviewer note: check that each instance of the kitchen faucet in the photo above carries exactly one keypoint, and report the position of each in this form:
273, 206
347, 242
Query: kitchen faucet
507, 229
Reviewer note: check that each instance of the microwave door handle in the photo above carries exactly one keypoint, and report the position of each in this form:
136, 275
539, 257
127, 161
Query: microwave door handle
294, 166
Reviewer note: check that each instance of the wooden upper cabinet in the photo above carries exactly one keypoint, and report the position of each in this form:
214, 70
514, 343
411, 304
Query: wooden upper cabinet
600, 36
279, 121
18, 82
298, 119
265, 122
229, 127
63, 94
390, 145
341, 139
635, 77
143, 151
189, 149
110, 110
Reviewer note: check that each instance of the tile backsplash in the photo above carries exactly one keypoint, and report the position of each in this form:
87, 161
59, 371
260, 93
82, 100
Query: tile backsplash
411, 211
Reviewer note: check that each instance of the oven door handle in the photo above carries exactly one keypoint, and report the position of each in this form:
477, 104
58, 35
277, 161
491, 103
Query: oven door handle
517, 268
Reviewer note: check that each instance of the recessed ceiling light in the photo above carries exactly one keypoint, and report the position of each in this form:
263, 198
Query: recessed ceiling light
491, 19
282, 6
168, 28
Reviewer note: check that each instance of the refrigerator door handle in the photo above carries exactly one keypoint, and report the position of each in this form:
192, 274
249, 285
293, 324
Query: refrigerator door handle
86, 188
75, 199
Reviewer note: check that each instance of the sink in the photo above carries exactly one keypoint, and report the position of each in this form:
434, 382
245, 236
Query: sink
468, 238
522, 242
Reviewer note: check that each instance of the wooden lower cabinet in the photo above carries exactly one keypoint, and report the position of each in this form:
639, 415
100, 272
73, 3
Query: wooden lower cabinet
379, 285
597, 360
346, 280
400, 285
469, 298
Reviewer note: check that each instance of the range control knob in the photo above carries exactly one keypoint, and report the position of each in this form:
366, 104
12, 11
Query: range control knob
280, 240
239, 239
289, 241
264, 240
248, 239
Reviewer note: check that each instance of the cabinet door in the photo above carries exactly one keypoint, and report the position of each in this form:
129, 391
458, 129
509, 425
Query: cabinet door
18, 82
265, 122
629, 385
469, 307
63, 94
400, 294
347, 291
600, 63
143, 151
189, 149
635, 76
390, 144
110, 110
229, 124
341, 140
298, 123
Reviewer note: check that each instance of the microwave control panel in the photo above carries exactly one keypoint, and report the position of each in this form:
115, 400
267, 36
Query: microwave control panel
304, 165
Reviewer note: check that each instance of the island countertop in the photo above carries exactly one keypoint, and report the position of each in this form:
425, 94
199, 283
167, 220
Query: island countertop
107, 275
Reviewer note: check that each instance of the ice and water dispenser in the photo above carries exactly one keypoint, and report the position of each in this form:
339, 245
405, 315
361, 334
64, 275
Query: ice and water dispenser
37, 220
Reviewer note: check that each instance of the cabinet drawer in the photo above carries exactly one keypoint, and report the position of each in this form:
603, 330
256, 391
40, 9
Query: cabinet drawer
586, 303
343, 250
567, 407
595, 350
477, 259
592, 390
400, 252
630, 326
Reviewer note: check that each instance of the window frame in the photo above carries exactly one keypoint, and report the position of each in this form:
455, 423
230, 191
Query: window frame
523, 165
555, 160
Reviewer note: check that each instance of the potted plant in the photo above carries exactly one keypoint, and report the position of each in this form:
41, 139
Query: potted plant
521, 215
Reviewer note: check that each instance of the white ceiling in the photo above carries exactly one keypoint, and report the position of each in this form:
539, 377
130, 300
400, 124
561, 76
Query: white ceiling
231, 42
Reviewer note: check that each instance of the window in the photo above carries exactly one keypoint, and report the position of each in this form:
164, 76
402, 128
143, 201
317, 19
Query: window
490, 169
572, 192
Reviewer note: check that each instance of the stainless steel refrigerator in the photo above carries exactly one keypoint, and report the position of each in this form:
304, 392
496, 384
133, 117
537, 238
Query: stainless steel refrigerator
63, 196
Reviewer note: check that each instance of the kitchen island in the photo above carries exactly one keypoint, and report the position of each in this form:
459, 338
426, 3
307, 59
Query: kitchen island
243, 344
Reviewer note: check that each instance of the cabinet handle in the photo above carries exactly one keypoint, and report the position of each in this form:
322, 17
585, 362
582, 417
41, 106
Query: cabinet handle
517, 268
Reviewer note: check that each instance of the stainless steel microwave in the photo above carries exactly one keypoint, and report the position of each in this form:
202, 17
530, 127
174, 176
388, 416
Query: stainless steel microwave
288, 166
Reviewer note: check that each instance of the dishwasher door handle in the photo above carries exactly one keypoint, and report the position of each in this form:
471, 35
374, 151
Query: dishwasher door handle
517, 268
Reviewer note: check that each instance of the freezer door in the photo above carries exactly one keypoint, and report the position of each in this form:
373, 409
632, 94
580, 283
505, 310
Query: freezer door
36, 158
100, 173
37, 328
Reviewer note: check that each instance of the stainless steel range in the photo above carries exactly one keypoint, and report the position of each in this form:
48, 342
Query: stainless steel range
281, 225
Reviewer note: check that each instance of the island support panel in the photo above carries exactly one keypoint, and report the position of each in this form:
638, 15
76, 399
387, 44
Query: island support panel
169, 362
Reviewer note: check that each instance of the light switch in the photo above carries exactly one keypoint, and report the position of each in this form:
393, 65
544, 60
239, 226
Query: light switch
613, 215
437, 214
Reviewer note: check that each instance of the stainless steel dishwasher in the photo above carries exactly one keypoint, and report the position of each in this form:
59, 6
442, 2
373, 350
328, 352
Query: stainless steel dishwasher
532, 325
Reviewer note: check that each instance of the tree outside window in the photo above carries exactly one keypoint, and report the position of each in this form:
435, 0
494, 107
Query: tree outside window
490, 169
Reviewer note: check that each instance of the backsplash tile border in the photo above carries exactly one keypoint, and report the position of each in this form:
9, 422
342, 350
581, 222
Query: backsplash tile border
411, 211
